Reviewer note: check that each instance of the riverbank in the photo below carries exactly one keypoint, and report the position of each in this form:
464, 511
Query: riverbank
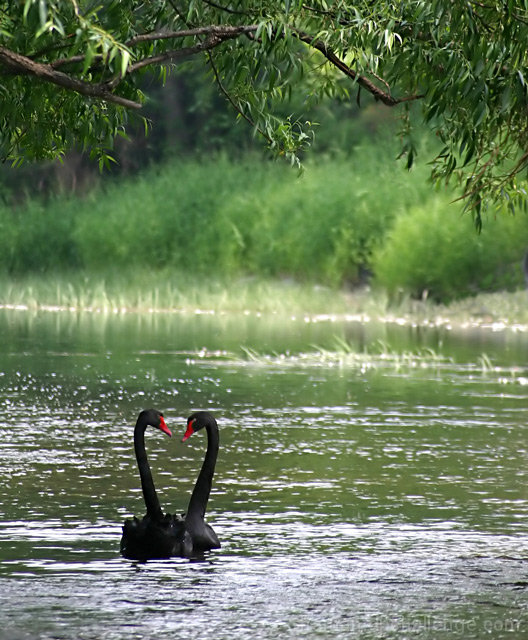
170, 292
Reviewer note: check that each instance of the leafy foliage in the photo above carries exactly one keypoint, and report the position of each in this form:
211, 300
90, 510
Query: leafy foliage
217, 219
431, 252
70, 73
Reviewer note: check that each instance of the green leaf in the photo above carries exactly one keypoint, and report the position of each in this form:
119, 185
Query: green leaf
505, 100
479, 113
43, 12
125, 58
27, 6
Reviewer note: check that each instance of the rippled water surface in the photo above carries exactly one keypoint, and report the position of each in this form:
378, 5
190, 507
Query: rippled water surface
377, 497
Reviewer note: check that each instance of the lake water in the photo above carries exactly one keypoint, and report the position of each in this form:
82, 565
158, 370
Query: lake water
373, 490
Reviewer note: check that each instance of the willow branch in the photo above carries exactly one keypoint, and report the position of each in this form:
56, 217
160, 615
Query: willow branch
362, 81
223, 32
215, 35
21, 65
233, 103
208, 37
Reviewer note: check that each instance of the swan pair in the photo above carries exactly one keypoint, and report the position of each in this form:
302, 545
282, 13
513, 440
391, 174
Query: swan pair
160, 535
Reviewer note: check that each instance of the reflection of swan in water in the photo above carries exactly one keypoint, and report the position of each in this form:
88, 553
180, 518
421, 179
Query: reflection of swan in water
163, 536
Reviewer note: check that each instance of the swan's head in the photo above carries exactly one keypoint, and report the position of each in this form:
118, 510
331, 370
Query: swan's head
154, 418
196, 421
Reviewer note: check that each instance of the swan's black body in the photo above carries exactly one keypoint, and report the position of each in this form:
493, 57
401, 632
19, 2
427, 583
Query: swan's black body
148, 539
162, 536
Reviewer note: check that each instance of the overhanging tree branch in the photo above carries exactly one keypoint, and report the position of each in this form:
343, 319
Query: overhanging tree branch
365, 83
17, 64
468, 97
214, 35
21, 65
214, 31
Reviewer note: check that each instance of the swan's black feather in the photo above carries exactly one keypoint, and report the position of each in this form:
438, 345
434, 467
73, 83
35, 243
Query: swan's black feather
149, 539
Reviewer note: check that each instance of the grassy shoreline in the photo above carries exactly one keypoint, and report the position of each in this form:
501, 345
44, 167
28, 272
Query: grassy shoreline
171, 292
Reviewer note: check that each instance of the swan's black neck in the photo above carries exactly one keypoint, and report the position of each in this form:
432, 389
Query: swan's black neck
202, 488
147, 483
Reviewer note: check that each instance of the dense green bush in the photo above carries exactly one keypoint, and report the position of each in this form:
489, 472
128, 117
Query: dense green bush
36, 238
434, 249
322, 226
220, 218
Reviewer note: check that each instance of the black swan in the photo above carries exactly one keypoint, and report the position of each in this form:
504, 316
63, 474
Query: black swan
202, 535
162, 536
156, 535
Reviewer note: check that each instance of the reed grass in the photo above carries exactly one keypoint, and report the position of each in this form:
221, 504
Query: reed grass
344, 355
167, 290
376, 357
170, 291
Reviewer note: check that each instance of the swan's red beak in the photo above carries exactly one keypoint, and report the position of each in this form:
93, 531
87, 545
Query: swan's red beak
189, 432
163, 427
